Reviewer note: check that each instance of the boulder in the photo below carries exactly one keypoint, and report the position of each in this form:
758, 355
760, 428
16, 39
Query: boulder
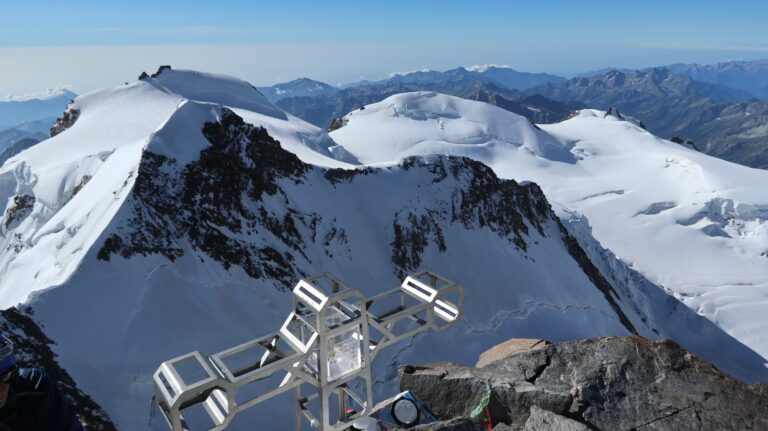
544, 420
509, 347
761, 388
605, 383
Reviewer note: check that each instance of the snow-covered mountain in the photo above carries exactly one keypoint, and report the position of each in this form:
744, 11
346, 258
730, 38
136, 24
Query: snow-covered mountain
719, 119
693, 224
751, 76
175, 213
504, 76
302, 87
511, 78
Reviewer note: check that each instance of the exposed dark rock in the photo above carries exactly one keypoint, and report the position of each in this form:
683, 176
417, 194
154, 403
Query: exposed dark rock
32, 348
160, 70
544, 420
481, 200
589, 268
573, 114
412, 235
21, 207
81, 184
460, 424
143, 76
66, 121
203, 200
761, 388
336, 124
603, 383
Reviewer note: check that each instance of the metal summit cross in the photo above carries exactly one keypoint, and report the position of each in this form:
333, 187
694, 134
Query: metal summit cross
326, 346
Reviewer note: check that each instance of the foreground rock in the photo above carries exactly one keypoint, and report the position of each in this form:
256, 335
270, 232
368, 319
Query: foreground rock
459, 424
544, 420
508, 348
32, 349
603, 383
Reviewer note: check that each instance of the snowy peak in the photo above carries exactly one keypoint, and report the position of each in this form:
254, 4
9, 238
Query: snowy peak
214, 88
302, 87
511, 78
485, 67
426, 122
136, 110
617, 86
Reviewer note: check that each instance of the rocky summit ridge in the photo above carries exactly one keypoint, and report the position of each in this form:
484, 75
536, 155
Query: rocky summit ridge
606, 383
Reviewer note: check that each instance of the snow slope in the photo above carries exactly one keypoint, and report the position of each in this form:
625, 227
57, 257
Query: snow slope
432, 123
691, 223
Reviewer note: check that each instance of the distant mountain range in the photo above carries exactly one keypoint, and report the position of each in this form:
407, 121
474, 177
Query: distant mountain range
321, 110
493, 84
637, 88
297, 88
13, 112
722, 121
504, 76
750, 76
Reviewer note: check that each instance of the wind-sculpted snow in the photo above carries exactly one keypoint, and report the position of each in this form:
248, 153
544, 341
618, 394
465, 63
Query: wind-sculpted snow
213, 88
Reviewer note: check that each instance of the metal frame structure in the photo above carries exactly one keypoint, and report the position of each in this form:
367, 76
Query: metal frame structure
328, 341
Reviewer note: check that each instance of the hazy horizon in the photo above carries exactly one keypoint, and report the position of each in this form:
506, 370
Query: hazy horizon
87, 45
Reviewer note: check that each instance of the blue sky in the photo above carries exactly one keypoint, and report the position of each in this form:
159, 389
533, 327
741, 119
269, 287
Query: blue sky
89, 44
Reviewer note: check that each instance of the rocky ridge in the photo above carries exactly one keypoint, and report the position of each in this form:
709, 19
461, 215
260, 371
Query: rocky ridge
33, 349
629, 383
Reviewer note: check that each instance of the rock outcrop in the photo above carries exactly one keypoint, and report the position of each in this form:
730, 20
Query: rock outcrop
67, 120
544, 420
32, 349
629, 383
509, 348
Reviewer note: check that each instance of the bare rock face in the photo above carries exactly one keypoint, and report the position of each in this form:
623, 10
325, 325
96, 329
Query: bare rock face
508, 348
544, 420
32, 349
603, 383
67, 120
